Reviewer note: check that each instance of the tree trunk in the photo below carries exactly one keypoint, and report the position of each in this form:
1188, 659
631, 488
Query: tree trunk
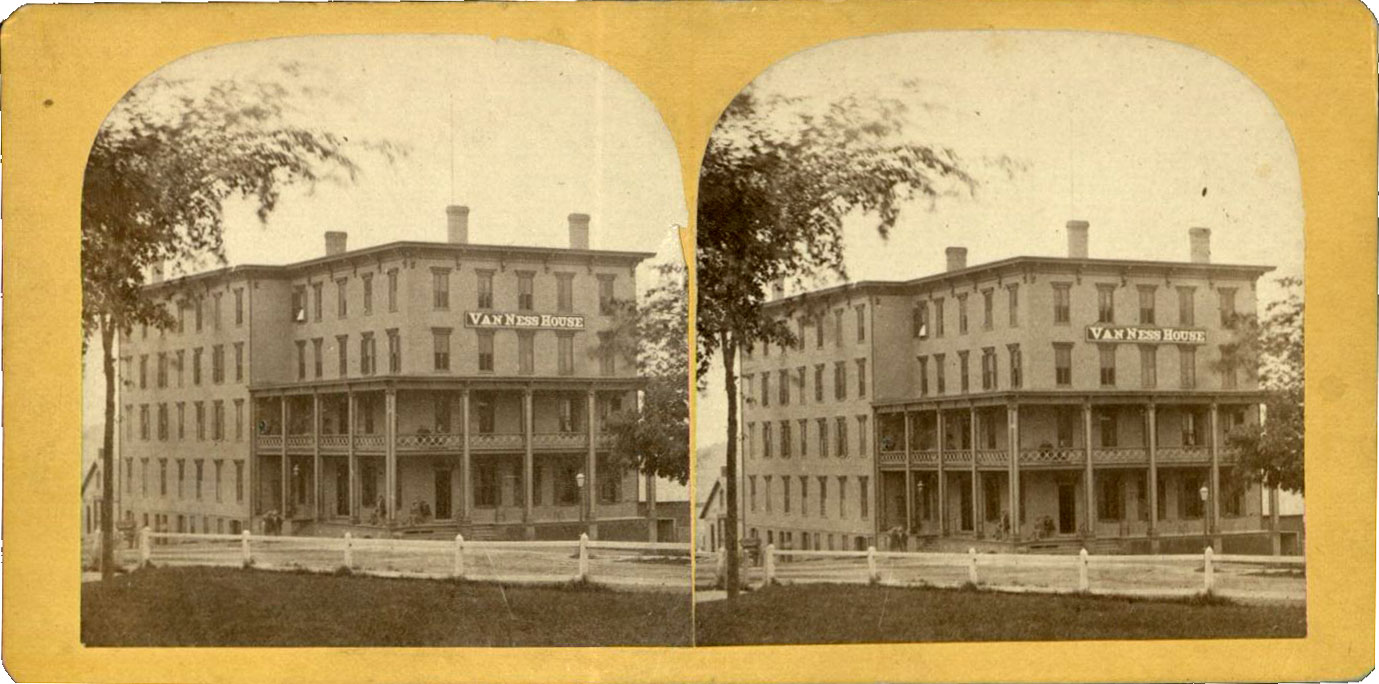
730, 536
651, 507
108, 453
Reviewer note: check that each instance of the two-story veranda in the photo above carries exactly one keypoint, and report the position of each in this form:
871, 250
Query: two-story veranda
1085, 467
486, 457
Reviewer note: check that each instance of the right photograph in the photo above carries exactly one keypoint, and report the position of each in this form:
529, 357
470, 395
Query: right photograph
999, 338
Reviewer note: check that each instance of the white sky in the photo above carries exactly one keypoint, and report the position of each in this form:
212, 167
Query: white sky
539, 131
1122, 131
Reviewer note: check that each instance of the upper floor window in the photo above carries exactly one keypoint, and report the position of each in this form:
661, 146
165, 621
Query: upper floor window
606, 293
316, 360
606, 353
766, 389
783, 386
1147, 293
841, 424
1149, 366
861, 378
564, 292
239, 306
938, 317
218, 364
923, 376
342, 344
392, 290
565, 352
1017, 366
1013, 303
367, 280
342, 297
989, 368
485, 350
215, 310
1187, 367
1228, 367
394, 351
440, 288
988, 315
939, 380
819, 382
862, 323
962, 314
299, 304
316, 305
819, 331
840, 381
196, 367
919, 320
838, 327
1105, 303
198, 316
526, 353
367, 354
1062, 303
1108, 365
1062, 364
525, 296
1187, 306
963, 371
1227, 295
484, 289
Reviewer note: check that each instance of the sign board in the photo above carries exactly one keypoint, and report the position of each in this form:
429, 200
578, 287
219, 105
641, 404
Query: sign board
1145, 334
530, 321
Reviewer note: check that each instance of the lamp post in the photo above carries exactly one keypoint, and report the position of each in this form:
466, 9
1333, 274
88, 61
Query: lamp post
583, 504
1206, 531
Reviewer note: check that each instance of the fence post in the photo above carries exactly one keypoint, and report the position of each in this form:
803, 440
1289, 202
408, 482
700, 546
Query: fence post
972, 565
769, 564
247, 557
349, 551
1208, 578
1082, 583
458, 570
145, 546
583, 557
720, 568
872, 575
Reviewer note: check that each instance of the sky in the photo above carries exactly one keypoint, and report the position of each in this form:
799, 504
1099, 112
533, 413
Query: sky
1142, 138
524, 133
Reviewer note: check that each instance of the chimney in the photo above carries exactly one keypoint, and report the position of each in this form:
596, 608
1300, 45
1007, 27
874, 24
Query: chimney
457, 223
1200, 241
335, 242
156, 272
957, 258
579, 231
1077, 239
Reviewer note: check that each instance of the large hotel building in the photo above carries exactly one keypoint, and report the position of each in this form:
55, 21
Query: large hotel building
411, 387
1027, 403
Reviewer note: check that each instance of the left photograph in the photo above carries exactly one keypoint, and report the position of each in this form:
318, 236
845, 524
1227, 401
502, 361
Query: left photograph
385, 344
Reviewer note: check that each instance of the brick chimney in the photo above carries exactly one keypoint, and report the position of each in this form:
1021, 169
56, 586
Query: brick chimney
957, 258
335, 242
579, 231
1077, 239
1199, 240
457, 224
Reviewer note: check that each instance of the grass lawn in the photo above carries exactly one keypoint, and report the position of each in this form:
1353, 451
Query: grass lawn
232, 607
822, 614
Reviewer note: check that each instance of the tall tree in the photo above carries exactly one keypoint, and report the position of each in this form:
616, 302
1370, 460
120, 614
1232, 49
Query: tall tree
164, 164
777, 181
1270, 346
653, 437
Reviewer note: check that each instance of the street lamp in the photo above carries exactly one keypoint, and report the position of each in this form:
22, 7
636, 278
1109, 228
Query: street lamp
579, 482
1206, 533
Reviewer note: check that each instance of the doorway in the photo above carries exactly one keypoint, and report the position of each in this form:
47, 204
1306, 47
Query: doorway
442, 494
1067, 508
342, 490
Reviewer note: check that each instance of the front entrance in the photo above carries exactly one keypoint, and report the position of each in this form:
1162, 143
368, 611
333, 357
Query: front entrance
442, 477
342, 490
1067, 508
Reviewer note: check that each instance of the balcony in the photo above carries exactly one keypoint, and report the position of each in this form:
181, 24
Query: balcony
992, 458
1052, 457
1120, 456
430, 442
1182, 454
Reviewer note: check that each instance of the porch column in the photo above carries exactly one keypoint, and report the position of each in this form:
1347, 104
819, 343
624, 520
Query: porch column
1089, 475
1153, 442
390, 450
466, 494
527, 422
286, 484
909, 483
1215, 495
1013, 446
315, 456
592, 468
350, 458
942, 477
976, 474
251, 467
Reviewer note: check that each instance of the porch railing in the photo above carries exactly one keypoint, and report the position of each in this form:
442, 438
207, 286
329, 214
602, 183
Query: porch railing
560, 440
892, 458
992, 457
1063, 456
1120, 456
449, 441
1182, 454
924, 458
423, 441
495, 441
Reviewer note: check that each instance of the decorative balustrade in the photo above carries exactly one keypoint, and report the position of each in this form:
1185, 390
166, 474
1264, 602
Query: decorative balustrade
369, 442
335, 442
300, 442
560, 440
269, 442
927, 457
605, 440
957, 458
1120, 456
992, 457
495, 441
424, 441
892, 458
443, 441
1182, 454
1063, 456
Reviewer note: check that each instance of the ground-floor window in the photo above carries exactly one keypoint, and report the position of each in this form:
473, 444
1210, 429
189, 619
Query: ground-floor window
610, 482
1109, 497
368, 483
991, 496
1190, 502
486, 492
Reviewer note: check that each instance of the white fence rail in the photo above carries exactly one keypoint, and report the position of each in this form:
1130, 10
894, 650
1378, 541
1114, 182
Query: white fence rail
1263, 578
661, 566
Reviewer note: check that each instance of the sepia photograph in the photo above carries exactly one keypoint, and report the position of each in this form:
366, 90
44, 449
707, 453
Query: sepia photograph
385, 344
999, 338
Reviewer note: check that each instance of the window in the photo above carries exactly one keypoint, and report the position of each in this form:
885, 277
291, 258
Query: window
862, 498
752, 493
565, 353
766, 451
526, 354
239, 481
440, 348
823, 496
751, 435
199, 302
485, 344
239, 364
1067, 420
987, 314
838, 327
1013, 303
804, 499
316, 304
162, 422
163, 477
342, 343
962, 314
394, 351
861, 435
182, 420
842, 496
804, 437
766, 481
802, 380
484, 289
1063, 364
564, 292
1106, 303
440, 289
485, 410
162, 369
862, 323
938, 374
1187, 367
143, 371
766, 389
819, 331
785, 486
196, 368
1106, 421
301, 359
1187, 306
218, 420
1228, 366
1190, 504
823, 437
989, 368
299, 304
938, 317
200, 421
840, 380
1062, 303
963, 374
1149, 366
861, 378
783, 386
785, 439
316, 357
181, 366
1109, 505
1017, 366
919, 320
605, 294
441, 412
368, 360
342, 298
392, 290
566, 415
486, 491
219, 466
367, 279
239, 419
239, 306
819, 382
1108, 365
923, 376
1227, 295
525, 297
1193, 433
1146, 304
841, 424
218, 364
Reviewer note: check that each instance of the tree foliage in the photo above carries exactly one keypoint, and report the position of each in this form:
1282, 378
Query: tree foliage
1271, 347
